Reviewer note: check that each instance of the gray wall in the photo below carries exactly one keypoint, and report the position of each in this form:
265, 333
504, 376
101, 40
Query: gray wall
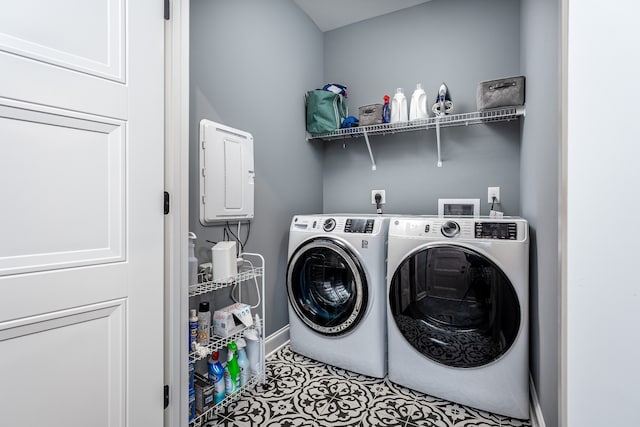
540, 186
251, 61
460, 43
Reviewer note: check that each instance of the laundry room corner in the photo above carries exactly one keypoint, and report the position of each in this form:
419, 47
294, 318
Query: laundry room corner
249, 72
428, 44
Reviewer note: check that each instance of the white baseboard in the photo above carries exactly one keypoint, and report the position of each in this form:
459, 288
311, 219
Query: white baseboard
535, 411
276, 340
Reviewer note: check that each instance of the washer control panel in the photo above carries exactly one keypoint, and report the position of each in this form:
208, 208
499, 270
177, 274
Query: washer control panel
496, 230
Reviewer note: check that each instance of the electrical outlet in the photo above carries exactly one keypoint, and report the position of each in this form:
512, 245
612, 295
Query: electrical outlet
493, 192
383, 199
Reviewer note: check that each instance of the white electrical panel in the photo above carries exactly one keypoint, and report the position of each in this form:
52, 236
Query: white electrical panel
226, 173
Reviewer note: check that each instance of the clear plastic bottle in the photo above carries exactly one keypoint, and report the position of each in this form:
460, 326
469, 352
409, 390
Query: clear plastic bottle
418, 107
243, 364
193, 261
399, 112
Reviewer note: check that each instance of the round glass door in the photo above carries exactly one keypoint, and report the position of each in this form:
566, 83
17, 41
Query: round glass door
455, 306
327, 286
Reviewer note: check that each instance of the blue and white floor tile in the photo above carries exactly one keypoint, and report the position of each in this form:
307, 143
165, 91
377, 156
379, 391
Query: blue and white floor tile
301, 392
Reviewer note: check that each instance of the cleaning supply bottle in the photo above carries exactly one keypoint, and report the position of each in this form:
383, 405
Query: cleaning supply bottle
193, 328
204, 323
232, 370
386, 110
243, 363
399, 111
418, 107
216, 375
193, 261
253, 350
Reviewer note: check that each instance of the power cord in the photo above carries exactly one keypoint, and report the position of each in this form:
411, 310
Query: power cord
255, 280
378, 199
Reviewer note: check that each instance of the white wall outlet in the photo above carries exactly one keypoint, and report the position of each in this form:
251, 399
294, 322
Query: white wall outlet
493, 192
383, 199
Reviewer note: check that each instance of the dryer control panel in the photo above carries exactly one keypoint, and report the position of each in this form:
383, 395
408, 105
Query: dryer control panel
496, 230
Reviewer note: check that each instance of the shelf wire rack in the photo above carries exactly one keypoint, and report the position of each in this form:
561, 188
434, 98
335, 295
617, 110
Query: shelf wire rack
437, 122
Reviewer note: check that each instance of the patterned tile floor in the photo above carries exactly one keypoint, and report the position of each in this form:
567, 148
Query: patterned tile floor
302, 392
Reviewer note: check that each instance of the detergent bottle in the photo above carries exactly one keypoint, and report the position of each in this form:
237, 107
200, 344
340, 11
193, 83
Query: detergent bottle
386, 110
216, 375
232, 370
418, 107
399, 111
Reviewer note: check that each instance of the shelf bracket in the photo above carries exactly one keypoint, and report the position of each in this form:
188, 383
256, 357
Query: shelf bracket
366, 139
438, 140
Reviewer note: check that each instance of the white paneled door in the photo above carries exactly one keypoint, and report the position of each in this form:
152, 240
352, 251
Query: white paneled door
81, 221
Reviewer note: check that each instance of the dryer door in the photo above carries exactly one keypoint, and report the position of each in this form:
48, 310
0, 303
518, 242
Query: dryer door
455, 306
327, 286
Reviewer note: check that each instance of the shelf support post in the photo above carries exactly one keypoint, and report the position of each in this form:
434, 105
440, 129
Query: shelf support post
366, 139
438, 140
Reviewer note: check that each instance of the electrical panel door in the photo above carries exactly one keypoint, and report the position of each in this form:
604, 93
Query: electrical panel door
226, 173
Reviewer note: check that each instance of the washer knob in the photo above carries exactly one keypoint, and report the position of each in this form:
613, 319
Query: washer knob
450, 229
329, 224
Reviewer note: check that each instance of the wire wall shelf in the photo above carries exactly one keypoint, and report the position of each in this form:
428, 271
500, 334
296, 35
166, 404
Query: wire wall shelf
464, 119
217, 343
208, 415
204, 286
253, 269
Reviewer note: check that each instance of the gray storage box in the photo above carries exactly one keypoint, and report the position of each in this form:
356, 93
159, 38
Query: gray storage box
370, 114
500, 93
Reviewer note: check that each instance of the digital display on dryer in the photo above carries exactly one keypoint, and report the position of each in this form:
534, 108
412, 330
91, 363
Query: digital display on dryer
496, 230
358, 226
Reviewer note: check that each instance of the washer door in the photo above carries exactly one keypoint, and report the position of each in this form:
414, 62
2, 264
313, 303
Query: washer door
327, 286
455, 306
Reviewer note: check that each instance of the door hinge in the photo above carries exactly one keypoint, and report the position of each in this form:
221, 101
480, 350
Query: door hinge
166, 202
167, 10
166, 396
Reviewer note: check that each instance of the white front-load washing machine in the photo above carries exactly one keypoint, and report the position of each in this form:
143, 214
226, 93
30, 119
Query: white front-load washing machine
457, 312
336, 290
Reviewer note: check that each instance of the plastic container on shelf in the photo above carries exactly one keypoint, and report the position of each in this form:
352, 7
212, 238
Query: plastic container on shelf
386, 110
204, 323
253, 350
418, 107
399, 112
192, 404
216, 374
193, 261
193, 328
232, 370
244, 365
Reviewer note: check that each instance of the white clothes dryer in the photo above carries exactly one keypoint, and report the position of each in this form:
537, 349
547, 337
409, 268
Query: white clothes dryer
458, 309
336, 290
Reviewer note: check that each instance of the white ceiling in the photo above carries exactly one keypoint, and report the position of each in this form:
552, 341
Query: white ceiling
331, 14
